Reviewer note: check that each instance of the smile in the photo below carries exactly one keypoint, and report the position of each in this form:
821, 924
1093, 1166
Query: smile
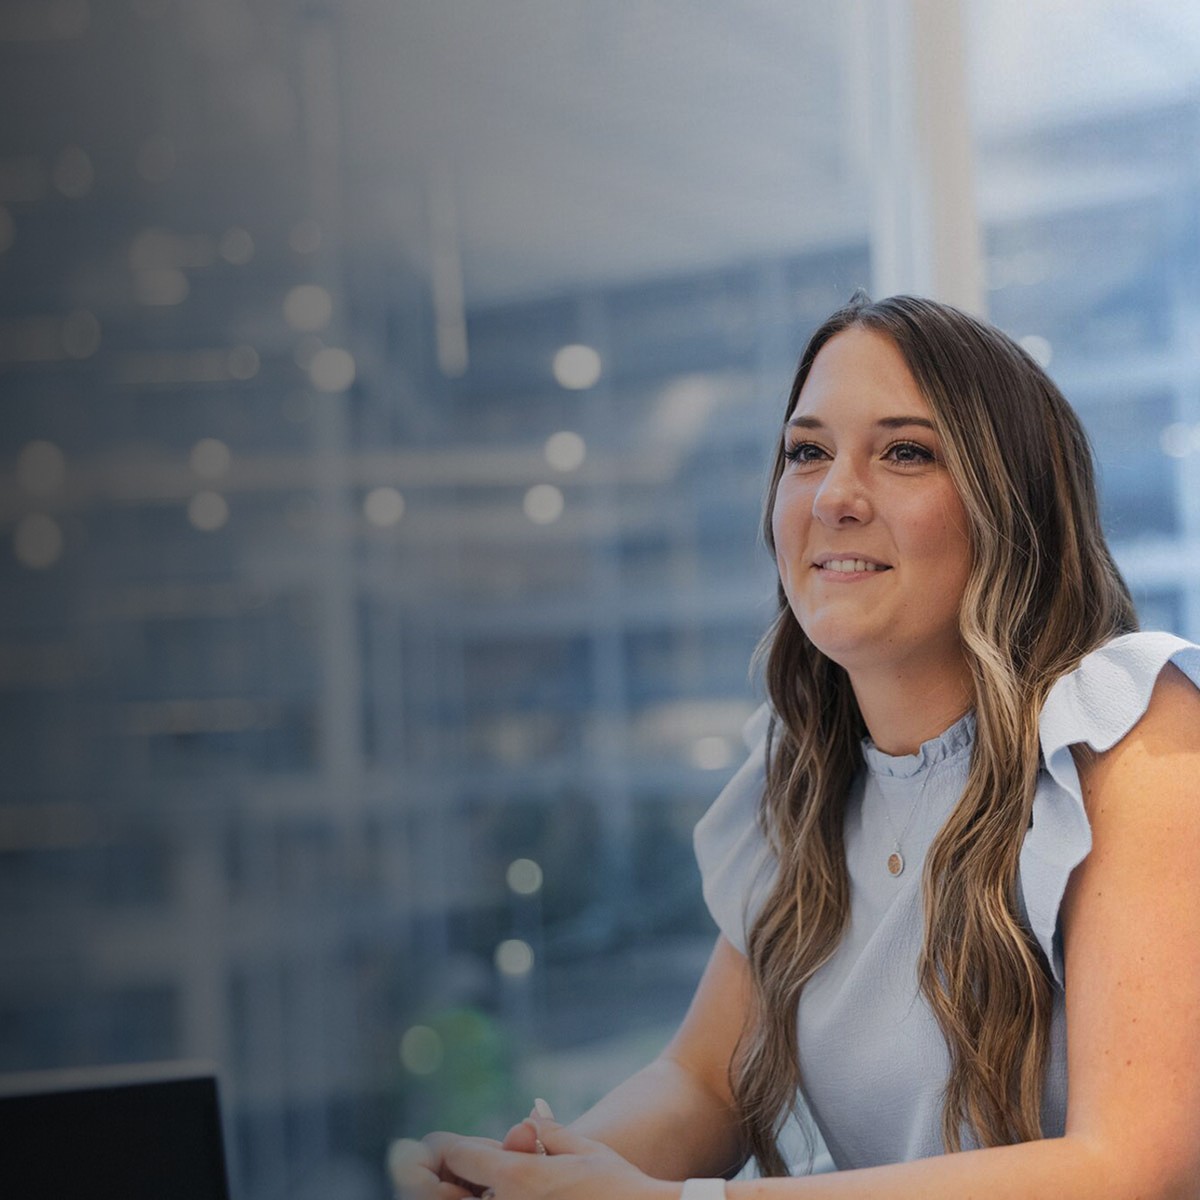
850, 565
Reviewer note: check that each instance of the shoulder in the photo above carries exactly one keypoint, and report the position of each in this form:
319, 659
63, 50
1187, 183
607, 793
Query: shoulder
1139, 764
1113, 689
736, 864
1130, 924
1161, 748
1120, 732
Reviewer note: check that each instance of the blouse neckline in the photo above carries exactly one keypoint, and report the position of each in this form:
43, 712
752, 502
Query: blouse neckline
949, 744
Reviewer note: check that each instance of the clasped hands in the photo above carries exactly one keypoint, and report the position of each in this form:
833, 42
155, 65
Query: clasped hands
448, 1166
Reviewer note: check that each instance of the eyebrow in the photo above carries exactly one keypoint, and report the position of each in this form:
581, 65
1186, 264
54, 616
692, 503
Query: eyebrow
882, 423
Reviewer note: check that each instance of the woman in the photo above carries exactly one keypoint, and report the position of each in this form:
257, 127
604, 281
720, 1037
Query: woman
972, 824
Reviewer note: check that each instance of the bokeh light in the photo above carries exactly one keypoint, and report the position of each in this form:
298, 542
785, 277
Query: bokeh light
38, 541
161, 287
543, 503
208, 511
236, 246
577, 367
710, 753
308, 307
1038, 348
210, 458
332, 369
1178, 440
421, 1050
524, 876
41, 468
383, 507
565, 450
514, 958
243, 362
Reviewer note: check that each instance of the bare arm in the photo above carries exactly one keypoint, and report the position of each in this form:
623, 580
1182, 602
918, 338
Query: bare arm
675, 1117
1131, 922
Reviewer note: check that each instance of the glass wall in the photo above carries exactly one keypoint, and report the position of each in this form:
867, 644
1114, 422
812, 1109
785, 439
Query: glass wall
381, 477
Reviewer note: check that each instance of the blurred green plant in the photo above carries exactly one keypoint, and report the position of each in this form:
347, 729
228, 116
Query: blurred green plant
458, 1072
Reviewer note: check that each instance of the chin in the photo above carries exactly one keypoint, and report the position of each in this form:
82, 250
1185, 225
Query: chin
838, 645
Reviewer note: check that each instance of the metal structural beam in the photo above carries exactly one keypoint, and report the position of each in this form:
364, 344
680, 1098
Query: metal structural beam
912, 82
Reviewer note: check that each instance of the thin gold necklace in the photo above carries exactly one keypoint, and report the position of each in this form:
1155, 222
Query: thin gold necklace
895, 860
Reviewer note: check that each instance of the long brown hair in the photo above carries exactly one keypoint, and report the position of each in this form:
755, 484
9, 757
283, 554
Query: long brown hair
1043, 591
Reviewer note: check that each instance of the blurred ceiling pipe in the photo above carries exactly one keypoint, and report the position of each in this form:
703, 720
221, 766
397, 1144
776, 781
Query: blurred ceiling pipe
913, 124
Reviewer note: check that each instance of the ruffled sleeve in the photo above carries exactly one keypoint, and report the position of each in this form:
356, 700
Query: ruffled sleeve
1097, 703
736, 864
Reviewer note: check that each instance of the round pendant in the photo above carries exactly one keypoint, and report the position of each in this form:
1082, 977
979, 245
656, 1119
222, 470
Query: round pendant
895, 863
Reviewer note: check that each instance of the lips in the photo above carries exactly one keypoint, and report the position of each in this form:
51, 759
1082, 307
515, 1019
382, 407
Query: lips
847, 564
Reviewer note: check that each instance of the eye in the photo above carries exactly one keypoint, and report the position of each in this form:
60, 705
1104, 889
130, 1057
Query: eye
908, 454
803, 452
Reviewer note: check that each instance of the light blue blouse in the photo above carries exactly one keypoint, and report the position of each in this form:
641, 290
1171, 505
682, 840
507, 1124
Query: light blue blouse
874, 1061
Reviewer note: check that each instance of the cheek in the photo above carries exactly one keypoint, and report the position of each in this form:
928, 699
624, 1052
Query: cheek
778, 525
777, 533
788, 527
949, 545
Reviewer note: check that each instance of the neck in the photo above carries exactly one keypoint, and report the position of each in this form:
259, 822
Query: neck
905, 706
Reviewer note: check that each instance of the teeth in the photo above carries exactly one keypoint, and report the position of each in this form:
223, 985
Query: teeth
851, 564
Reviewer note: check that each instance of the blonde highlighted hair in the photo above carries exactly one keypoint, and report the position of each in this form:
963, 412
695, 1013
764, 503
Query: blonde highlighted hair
1043, 591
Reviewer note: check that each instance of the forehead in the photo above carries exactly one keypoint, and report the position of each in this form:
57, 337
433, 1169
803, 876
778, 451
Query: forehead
860, 371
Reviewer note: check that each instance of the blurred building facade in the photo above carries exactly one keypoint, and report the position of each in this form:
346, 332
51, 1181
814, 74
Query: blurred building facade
362, 679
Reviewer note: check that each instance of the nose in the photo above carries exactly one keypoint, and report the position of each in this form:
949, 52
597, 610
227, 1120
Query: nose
843, 497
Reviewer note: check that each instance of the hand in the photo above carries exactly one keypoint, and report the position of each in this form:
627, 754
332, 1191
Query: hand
522, 1136
419, 1169
574, 1168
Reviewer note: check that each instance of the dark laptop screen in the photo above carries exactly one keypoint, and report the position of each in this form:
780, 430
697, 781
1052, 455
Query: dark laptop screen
156, 1139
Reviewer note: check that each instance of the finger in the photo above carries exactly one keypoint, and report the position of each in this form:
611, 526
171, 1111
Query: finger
531, 1123
480, 1163
521, 1138
558, 1139
413, 1181
439, 1146
434, 1190
436, 1145
543, 1111
413, 1168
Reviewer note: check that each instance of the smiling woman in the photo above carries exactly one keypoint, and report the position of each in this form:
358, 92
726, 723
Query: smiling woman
954, 682
870, 536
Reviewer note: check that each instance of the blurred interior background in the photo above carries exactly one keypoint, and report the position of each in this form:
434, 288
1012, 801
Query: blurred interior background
386, 393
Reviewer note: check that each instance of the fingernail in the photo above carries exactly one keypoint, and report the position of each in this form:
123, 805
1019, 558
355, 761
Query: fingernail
543, 1109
